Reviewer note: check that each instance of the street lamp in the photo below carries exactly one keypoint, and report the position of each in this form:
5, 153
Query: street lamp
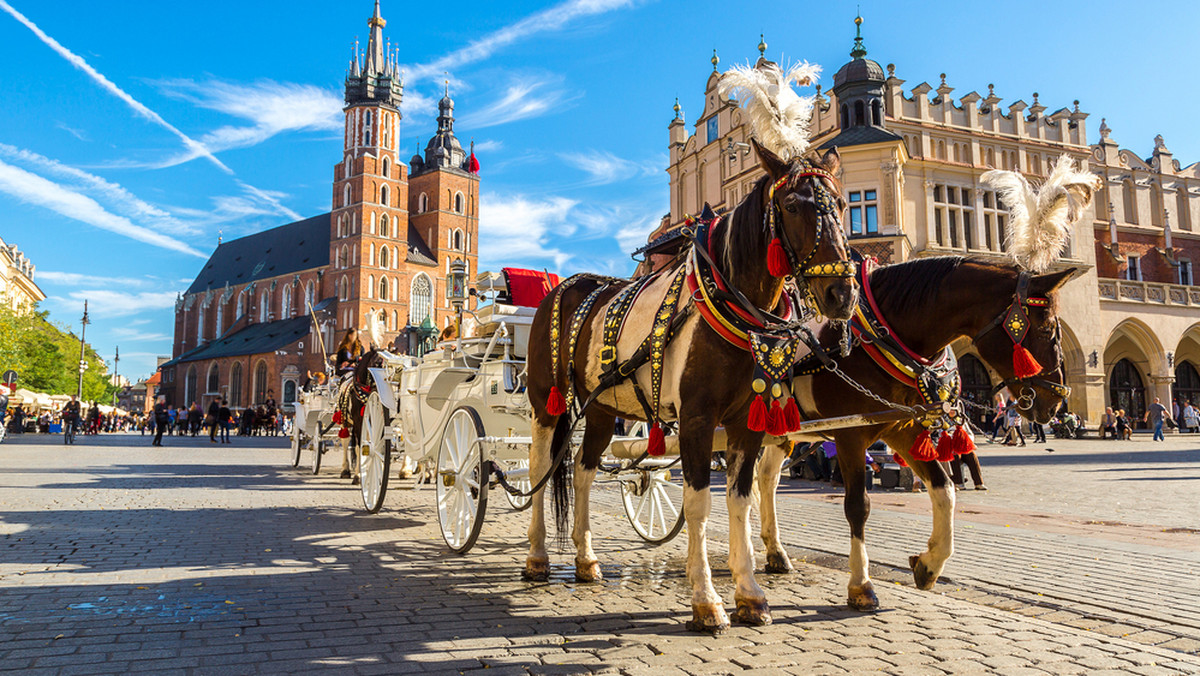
456, 290
82, 362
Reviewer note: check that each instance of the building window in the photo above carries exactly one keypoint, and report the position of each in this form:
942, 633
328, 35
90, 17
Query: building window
1183, 208
712, 126
459, 205
421, 301
395, 326
383, 288
367, 129
343, 289
345, 203
220, 319
264, 306
189, 386
877, 113
995, 219
289, 391
200, 325
1129, 196
241, 304
387, 167
1185, 273
858, 113
235, 385
310, 297
383, 256
383, 195
457, 245
214, 380
953, 216
384, 226
1156, 206
845, 116
422, 203
286, 310
1133, 268
863, 213
1187, 384
260, 383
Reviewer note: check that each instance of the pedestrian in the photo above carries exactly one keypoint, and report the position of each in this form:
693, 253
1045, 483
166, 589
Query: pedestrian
224, 419
210, 419
1108, 423
1190, 417
1012, 422
1156, 415
1039, 432
162, 419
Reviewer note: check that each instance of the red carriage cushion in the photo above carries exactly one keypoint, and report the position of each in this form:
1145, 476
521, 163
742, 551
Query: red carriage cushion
527, 288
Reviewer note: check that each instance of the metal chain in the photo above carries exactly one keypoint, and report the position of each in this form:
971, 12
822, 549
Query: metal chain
833, 367
846, 338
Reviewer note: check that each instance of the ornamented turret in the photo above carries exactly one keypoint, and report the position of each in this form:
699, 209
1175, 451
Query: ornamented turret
858, 86
443, 150
376, 80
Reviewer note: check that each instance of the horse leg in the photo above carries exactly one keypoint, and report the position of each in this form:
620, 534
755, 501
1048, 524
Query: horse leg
537, 562
768, 482
597, 434
928, 565
856, 504
345, 443
695, 445
751, 602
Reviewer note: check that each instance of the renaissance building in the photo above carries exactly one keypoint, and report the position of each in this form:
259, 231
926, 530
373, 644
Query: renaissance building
18, 291
912, 157
243, 329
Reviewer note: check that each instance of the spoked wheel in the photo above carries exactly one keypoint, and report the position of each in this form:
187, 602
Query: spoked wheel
462, 488
297, 444
318, 448
375, 454
520, 503
654, 504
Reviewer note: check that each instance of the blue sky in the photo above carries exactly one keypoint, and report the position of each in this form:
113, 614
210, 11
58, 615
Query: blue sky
132, 133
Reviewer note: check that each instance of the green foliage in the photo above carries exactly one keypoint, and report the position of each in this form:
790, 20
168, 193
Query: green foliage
46, 357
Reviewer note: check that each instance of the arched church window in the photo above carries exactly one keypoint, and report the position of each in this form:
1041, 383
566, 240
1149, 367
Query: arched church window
264, 306
383, 195
346, 196
845, 116
383, 288
421, 299
858, 113
367, 129
458, 203
213, 386
285, 310
877, 113
310, 297
383, 226
387, 167
422, 203
383, 257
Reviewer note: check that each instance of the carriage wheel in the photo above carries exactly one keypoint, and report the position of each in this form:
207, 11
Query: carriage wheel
318, 449
297, 444
654, 504
520, 503
462, 487
375, 454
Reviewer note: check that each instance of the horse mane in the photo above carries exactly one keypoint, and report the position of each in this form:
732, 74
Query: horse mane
913, 285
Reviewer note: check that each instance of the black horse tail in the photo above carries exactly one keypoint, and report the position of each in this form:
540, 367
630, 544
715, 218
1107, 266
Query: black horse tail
561, 482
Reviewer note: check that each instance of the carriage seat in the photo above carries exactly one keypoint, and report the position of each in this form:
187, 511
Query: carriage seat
517, 295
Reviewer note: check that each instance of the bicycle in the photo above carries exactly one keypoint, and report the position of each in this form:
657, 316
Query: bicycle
68, 432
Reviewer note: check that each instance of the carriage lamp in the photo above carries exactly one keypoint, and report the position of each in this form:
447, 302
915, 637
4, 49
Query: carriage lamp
456, 289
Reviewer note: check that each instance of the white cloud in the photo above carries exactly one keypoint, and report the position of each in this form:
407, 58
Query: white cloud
546, 20
526, 97
603, 167
515, 230
636, 233
489, 146
77, 279
136, 336
77, 133
38, 191
272, 108
103, 303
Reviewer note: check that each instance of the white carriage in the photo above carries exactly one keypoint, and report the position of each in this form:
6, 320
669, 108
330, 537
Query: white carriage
313, 427
462, 411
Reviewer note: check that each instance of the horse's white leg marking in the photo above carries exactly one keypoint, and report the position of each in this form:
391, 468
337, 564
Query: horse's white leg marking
707, 610
768, 483
858, 563
749, 597
537, 563
587, 566
928, 565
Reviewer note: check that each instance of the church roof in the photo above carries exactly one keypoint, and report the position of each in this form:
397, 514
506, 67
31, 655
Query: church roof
254, 339
302, 245
418, 251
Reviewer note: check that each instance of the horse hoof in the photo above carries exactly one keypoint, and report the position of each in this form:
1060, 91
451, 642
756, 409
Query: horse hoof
536, 570
922, 576
345, 474
356, 481
708, 619
863, 599
778, 563
753, 612
588, 571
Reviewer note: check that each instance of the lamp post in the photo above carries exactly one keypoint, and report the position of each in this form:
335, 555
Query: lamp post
116, 375
456, 291
82, 362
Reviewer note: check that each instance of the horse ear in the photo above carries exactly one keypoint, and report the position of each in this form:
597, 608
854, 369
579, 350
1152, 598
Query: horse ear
1044, 285
832, 160
772, 163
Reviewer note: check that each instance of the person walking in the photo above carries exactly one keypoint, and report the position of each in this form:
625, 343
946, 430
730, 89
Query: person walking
1156, 415
162, 419
210, 419
224, 416
1190, 417
1012, 418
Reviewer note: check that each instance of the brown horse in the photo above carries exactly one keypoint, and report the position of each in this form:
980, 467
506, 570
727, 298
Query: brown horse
352, 395
705, 380
927, 304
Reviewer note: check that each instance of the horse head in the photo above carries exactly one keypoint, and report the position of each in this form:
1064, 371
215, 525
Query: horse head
803, 213
1024, 345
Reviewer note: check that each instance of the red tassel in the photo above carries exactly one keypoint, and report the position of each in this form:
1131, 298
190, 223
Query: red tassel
757, 420
945, 447
776, 423
343, 433
1024, 365
657, 444
963, 443
777, 261
791, 415
899, 459
556, 404
337, 417
922, 449
362, 410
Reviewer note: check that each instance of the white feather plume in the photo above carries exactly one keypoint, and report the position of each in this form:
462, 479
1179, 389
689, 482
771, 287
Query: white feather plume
1040, 218
779, 117
375, 328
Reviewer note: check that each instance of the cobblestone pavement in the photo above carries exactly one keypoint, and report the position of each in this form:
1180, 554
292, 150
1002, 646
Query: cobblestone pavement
117, 557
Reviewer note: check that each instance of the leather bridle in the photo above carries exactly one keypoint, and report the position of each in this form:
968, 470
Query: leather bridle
826, 205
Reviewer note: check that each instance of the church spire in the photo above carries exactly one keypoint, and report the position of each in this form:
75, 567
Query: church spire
375, 62
859, 50
374, 81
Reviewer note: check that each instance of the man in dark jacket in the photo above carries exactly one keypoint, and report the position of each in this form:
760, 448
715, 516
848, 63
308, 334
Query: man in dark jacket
224, 419
162, 419
210, 419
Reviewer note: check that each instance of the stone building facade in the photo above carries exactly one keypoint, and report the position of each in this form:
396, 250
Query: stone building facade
912, 158
18, 291
243, 329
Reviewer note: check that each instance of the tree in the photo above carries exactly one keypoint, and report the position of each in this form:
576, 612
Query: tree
47, 356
